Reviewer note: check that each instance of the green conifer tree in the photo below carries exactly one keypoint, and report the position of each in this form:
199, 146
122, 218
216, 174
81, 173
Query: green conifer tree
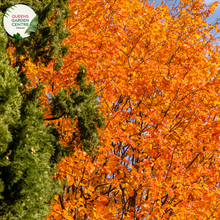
10, 101
26, 148
81, 103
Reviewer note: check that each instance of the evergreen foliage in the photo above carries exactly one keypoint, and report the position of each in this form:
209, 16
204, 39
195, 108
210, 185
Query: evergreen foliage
29, 179
80, 104
10, 101
28, 149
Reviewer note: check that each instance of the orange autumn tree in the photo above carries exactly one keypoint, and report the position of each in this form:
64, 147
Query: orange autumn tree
156, 73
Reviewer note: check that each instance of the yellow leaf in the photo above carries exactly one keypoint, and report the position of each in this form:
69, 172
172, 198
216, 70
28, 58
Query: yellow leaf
197, 36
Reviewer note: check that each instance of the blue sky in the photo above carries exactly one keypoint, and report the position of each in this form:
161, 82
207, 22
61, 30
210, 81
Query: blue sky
216, 14
211, 19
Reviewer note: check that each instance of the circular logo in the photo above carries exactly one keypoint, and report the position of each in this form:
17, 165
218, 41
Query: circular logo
20, 21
